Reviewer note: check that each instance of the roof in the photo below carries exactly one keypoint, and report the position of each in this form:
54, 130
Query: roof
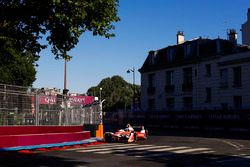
189, 52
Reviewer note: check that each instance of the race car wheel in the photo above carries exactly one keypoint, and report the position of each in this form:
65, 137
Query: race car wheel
108, 137
146, 133
135, 137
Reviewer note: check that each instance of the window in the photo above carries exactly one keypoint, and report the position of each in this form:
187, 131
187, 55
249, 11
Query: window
169, 87
151, 83
152, 57
170, 104
187, 75
151, 104
190, 50
223, 78
151, 80
238, 102
171, 52
208, 95
208, 70
237, 76
187, 79
170, 78
187, 103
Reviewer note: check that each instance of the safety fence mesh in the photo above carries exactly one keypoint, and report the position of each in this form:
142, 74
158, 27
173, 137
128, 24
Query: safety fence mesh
31, 106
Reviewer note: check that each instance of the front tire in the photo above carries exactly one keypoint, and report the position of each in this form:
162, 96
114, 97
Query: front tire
108, 137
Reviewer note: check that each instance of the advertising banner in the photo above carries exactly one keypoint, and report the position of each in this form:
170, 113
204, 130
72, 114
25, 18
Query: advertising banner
47, 99
81, 100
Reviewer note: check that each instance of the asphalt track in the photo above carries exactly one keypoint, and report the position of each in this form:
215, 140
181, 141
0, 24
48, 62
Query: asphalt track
163, 148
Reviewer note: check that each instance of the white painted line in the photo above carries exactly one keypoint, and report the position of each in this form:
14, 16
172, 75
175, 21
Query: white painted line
169, 149
151, 147
205, 152
242, 156
148, 150
161, 152
236, 145
134, 149
109, 149
118, 149
113, 145
248, 157
98, 146
191, 150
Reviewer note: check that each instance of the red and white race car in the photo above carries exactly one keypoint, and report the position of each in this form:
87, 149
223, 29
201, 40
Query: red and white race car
127, 135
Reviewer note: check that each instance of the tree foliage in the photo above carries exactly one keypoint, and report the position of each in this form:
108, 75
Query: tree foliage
23, 24
62, 21
16, 68
116, 91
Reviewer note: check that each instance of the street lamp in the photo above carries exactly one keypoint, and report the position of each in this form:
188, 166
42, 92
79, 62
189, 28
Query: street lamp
101, 106
65, 90
133, 71
100, 95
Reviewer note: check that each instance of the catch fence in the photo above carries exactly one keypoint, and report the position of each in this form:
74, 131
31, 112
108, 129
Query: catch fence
31, 106
228, 120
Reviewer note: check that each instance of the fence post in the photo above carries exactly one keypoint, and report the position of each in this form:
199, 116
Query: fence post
91, 116
37, 108
60, 117
83, 116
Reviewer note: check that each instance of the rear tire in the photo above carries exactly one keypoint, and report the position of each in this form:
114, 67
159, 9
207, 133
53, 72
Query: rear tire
108, 137
146, 134
135, 137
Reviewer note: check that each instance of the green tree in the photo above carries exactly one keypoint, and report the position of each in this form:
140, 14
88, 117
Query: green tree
23, 23
117, 92
16, 68
61, 21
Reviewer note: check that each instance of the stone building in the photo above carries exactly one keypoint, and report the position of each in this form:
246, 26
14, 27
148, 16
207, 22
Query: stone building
199, 74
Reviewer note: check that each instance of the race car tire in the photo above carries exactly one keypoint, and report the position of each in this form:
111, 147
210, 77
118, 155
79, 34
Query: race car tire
135, 137
108, 137
146, 133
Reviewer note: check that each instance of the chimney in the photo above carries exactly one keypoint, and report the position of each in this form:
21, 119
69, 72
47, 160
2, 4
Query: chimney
180, 37
232, 36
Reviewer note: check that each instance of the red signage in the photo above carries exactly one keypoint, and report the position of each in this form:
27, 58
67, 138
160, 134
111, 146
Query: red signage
81, 100
47, 99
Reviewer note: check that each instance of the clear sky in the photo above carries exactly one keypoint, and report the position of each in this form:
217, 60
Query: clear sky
145, 25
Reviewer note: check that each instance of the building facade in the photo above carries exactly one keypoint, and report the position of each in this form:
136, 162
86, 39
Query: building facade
245, 28
200, 74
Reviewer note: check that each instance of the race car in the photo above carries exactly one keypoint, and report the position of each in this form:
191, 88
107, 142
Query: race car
127, 135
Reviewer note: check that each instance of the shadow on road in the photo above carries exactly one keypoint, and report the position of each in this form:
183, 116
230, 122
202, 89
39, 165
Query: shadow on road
168, 159
204, 160
12, 159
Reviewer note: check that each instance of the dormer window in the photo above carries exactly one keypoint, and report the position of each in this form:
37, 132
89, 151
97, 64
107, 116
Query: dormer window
152, 57
171, 54
189, 50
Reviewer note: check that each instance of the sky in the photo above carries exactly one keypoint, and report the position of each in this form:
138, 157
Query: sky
145, 25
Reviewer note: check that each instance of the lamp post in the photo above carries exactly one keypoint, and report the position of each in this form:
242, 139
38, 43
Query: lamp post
100, 94
101, 107
133, 71
65, 92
